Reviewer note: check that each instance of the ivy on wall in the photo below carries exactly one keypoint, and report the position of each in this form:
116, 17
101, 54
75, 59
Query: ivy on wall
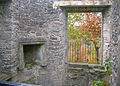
108, 73
1, 10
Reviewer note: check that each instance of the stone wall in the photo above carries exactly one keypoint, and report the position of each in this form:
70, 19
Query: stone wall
6, 30
34, 19
110, 38
115, 17
118, 73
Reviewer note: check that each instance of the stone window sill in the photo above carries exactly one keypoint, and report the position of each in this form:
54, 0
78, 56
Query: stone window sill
84, 66
93, 70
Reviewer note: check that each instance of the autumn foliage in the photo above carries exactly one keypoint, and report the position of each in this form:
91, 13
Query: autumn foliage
84, 33
92, 25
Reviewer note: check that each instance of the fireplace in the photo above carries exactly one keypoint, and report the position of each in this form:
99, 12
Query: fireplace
32, 53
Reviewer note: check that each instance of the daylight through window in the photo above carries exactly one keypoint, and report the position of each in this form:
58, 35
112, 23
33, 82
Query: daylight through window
84, 34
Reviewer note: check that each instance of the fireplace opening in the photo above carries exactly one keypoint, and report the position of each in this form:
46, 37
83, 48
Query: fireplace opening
33, 54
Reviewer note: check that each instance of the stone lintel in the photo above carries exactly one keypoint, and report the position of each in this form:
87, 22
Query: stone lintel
81, 4
25, 41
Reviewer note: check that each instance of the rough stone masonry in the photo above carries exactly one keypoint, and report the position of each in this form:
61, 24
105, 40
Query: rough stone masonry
37, 19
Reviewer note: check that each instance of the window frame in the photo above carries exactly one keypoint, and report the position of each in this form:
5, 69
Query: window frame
81, 6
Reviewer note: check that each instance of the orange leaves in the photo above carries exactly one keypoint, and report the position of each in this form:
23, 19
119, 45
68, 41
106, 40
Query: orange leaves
92, 24
84, 23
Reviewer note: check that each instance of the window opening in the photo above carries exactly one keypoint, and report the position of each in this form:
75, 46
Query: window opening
84, 35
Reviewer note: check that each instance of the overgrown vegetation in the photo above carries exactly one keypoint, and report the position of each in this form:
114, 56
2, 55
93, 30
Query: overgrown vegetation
1, 10
108, 71
108, 65
99, 82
